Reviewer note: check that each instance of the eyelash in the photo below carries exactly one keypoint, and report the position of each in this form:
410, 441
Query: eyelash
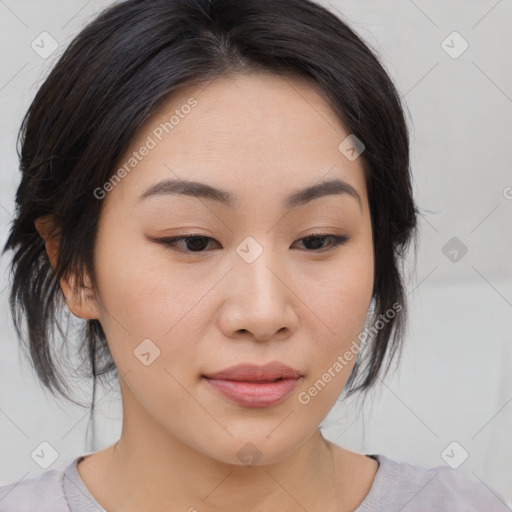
337, 241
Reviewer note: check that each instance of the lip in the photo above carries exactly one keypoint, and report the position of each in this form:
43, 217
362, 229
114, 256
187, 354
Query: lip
250, 385
249, 372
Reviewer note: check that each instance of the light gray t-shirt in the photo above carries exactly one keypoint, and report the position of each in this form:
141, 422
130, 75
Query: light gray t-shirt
397, 487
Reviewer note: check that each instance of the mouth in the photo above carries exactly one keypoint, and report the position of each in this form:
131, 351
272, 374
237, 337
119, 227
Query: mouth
254, 393
250, 385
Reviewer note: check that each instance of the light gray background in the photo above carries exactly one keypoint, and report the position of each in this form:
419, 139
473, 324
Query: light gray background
455, 382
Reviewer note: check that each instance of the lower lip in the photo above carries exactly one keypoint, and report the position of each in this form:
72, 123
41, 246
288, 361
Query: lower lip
254, 394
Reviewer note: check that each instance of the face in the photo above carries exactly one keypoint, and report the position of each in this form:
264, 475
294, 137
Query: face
256, 286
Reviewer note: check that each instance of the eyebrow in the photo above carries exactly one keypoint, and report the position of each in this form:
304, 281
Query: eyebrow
226, 198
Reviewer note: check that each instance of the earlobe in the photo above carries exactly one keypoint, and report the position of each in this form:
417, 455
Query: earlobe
81, 300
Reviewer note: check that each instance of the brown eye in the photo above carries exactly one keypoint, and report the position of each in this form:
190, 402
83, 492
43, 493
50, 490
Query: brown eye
198, 243
195, 243
317, 241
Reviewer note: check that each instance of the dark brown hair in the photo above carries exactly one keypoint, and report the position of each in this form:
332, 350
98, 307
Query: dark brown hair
117, 73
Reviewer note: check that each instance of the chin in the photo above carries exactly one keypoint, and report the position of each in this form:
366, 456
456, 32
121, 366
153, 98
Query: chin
258, 450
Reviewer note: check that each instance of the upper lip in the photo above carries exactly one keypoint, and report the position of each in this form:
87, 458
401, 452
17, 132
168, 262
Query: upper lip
252, 372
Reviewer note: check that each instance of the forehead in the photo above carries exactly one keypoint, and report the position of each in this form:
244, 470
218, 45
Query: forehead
259, 134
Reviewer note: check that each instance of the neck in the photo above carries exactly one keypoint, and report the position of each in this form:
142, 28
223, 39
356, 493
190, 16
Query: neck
150, 469
150, 474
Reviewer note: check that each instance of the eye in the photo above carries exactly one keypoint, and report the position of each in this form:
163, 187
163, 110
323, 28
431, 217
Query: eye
197, 243
317, 239
193, 243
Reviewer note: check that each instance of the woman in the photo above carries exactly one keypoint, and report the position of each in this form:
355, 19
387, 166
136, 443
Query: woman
221, 190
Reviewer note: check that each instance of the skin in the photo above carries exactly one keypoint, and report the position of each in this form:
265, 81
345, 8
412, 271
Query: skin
261, 137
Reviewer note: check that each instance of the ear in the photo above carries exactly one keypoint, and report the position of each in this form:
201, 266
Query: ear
81, 300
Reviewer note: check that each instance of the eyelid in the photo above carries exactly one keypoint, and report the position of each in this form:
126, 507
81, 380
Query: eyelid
338, 240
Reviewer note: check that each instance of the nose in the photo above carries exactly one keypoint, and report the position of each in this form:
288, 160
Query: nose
260, 302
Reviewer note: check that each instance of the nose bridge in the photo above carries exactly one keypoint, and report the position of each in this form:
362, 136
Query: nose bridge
256, 269
259, 297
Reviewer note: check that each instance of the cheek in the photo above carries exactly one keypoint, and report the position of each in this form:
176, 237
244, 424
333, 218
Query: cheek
146, 294
335, 345
145, 297
339, 298
340, 291
136, 289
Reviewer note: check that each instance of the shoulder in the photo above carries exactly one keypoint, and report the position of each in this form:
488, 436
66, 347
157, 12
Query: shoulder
43, 493
399, 485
